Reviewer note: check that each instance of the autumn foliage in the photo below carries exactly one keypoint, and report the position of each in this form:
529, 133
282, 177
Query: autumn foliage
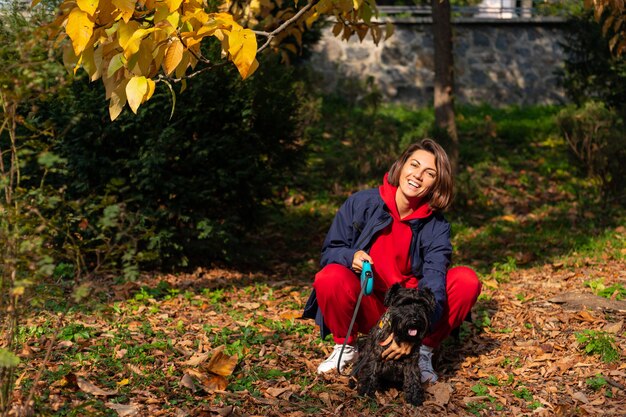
133, 44
612, 15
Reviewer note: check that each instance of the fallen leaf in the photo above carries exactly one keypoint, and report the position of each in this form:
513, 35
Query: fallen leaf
579, 396
187, 382
614, 327
90, 388
124, 409
441, 392
196, 359
249, 306
275, 392
220, 363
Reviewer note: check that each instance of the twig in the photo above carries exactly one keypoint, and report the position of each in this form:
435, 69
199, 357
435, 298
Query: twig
272, 34
614, 383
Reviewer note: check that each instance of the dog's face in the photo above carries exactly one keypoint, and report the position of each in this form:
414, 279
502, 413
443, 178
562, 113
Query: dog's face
409, 312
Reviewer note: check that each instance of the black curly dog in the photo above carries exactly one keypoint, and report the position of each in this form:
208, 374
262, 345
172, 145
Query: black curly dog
408, 318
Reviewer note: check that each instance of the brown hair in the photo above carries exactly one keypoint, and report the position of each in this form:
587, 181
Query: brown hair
441, 194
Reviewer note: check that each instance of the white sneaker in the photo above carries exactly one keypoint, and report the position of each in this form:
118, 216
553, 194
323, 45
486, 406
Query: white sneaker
349, 355
426, 365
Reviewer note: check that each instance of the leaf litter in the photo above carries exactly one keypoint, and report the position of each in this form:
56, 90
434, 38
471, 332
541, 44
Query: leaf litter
224, 343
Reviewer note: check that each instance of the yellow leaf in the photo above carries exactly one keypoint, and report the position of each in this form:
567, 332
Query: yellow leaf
118, 100
173, 56
144, 58
133, 44
125, 31
151, 88
123, 382
88, 62
136, 90
220, 363
242, 46
106, 14
88, 6
182, 66
79, 28
173, 4
34, 3
126, 8
17, 291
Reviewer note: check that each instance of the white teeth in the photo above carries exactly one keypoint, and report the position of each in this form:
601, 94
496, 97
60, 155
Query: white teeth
413, 184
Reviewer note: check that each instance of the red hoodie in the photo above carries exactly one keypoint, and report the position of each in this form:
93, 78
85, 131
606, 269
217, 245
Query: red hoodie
390, 250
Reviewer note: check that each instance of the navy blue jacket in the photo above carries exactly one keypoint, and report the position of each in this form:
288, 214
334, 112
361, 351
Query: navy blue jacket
354, 228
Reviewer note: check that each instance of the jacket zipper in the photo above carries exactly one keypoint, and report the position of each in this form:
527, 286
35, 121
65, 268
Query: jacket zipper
381, 221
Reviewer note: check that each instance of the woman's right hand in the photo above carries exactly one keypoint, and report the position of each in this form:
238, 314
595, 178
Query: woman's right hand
357, 261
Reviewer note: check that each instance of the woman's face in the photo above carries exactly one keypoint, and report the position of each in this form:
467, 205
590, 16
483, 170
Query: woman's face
418, 175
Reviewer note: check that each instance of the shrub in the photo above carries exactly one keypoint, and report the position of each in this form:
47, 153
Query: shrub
595, 135
590, 71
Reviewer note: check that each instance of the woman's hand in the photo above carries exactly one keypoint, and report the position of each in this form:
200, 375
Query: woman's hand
357, 261
395, 351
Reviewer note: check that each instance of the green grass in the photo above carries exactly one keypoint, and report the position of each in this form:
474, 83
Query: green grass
595, 342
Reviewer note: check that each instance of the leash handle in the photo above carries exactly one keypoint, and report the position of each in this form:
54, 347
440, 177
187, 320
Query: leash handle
367, 278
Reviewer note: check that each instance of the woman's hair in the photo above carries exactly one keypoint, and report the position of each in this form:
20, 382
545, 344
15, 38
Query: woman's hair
440, 196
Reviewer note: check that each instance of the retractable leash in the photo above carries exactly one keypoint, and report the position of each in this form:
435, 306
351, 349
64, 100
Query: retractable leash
367, 287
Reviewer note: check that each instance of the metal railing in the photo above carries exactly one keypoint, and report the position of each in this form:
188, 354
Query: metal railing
487, 9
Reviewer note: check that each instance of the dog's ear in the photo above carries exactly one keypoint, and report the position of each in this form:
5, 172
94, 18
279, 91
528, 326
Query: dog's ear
427, 298
391, 294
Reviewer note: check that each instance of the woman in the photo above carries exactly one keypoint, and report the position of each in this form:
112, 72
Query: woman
399, 228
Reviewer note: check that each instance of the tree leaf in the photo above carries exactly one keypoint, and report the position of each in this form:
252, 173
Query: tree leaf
117, 100
173, 4
126, 7
88, 6
136, 90
242, 46
79, 28
173, 56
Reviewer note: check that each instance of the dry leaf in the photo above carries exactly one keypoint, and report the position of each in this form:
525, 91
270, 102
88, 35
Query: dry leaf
275, 392
249, 306
187, 381
441, 392
579, 396
196, 359
124, 410
220, 363
614, 327
90, 388
215, 383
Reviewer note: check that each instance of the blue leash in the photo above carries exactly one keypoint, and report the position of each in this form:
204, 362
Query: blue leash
367, 287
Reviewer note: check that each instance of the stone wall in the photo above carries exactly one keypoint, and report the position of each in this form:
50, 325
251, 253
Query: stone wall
497, 62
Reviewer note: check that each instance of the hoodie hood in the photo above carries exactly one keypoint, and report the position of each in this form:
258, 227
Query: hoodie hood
388, 194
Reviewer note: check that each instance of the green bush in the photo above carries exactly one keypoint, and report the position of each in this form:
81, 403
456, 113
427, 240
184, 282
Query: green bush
595, 135
591, 72
192, 186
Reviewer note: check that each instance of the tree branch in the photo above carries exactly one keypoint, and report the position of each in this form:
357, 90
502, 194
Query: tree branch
271, 35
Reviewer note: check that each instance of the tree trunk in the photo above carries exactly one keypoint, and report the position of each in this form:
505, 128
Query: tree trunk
444, 78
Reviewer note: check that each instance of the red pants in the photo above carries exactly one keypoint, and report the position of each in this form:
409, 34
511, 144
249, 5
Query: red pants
337, 289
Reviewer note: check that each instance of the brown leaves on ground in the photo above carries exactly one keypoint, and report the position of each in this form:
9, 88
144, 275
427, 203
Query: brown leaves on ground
220, 343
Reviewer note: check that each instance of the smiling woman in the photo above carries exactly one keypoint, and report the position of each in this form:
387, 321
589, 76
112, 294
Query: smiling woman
400, 230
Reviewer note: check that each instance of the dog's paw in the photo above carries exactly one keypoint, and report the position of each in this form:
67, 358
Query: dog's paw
366, 391
415, 397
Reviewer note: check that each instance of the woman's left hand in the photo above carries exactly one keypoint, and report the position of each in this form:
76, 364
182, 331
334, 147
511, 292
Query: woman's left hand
395, 350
